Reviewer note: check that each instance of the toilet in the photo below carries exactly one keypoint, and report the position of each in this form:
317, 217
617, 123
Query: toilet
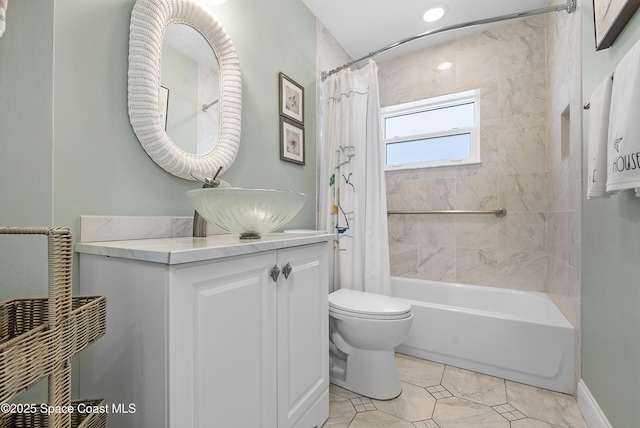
364, 330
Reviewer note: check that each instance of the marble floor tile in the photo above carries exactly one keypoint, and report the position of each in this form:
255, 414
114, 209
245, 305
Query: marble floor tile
362, 404
429, 423
414, 404
439, 396
547, 406
531, 423
509, 412
341, 412
476, 387
439, 391
419, 372
378, 419
341, 392
459, 413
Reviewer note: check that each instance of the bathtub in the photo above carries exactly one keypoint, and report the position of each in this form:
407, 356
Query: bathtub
516, 335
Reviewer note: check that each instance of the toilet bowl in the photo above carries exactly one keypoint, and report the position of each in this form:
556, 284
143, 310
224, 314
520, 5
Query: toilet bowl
364, 330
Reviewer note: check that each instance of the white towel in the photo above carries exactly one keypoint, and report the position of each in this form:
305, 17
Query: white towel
600, 104
623, 147
3, 15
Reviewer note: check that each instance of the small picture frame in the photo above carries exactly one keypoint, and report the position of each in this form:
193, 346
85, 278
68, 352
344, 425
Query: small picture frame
291, 141
163, 105
291, 99
610, 17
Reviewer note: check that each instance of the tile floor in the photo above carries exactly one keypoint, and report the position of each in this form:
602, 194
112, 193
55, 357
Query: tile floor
439, 396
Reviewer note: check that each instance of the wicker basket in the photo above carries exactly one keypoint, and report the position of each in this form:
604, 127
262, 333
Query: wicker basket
29, 351
41, 420
39, 336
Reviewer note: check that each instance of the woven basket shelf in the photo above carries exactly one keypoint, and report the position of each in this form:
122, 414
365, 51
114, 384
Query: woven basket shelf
29, 351
39, 336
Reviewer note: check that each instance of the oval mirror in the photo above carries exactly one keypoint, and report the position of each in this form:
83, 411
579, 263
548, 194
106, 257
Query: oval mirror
150, 101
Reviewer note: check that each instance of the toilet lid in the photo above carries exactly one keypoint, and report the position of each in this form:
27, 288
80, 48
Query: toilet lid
367, 305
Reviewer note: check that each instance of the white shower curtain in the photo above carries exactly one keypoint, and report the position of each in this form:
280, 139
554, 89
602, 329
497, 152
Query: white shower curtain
352, 187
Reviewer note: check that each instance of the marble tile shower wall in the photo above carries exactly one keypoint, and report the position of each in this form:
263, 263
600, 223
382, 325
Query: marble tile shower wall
564, 166
508, 64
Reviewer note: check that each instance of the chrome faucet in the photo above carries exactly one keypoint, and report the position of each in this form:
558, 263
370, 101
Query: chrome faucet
199, 223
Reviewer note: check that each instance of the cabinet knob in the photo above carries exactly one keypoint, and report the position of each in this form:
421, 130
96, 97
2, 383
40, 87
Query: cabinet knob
275, 273
286, 271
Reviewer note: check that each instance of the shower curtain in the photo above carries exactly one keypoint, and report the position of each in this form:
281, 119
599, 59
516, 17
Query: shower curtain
352, 188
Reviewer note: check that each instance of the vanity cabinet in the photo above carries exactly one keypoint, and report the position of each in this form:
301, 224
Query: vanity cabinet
213, 343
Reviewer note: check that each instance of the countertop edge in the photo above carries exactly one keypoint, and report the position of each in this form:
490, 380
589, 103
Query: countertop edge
174, 251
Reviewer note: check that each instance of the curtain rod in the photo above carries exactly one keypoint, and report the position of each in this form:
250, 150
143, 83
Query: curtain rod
569, 6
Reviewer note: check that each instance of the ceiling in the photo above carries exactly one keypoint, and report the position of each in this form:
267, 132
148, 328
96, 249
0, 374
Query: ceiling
364, 26
188, 41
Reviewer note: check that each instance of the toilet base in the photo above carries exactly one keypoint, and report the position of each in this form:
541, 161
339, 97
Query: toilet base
373, 374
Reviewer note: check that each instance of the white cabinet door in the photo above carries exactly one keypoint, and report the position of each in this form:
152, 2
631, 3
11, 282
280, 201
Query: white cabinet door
128, 365
303, 366
222, 343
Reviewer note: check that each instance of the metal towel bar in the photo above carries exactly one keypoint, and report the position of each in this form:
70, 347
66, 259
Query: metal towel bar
499, 212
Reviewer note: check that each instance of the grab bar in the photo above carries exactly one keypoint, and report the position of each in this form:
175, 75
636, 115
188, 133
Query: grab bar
498, 212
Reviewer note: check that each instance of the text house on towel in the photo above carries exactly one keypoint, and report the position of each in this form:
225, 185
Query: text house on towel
623, 142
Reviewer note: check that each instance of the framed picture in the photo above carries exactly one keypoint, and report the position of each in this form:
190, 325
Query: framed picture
291, 99
163, 105
291, 141
610, 17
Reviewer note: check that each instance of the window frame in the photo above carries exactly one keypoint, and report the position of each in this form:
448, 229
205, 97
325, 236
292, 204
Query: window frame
435, 103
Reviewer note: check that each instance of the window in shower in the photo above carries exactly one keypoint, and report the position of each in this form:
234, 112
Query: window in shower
437, 131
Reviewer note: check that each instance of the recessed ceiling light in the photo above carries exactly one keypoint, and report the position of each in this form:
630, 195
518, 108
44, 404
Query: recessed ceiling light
445, 66
434, 13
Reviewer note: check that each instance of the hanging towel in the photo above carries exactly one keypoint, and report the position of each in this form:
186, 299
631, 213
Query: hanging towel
600, 104
623, 141
3, 15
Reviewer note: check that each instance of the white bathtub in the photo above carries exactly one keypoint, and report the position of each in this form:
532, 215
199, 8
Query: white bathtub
516, 335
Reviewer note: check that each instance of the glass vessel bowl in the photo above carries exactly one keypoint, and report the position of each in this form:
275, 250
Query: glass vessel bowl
247, 212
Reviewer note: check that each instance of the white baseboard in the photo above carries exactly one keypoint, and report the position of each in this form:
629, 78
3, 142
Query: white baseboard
588, 405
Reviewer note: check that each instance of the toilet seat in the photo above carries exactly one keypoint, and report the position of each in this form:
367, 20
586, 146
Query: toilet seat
334, 311
365, 305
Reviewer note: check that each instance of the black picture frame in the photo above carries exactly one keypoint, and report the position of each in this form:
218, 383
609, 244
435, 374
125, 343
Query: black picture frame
609, 19
291, 99
292, 142
163, 105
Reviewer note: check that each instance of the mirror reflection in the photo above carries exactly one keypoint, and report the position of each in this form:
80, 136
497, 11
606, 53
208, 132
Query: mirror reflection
189, 92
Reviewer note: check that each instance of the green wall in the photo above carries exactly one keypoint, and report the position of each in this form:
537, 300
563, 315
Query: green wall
66, 145
66, 142
26, 144
611, 253
110, 173
273, 36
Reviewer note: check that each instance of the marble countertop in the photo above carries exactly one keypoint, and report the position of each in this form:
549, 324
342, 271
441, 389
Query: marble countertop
174, 251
